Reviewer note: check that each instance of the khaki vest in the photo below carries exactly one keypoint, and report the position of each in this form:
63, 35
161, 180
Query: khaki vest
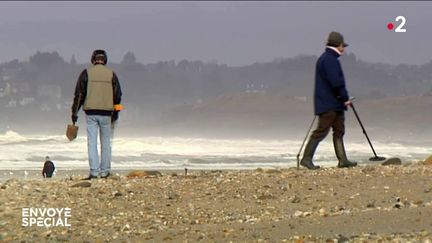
99, 89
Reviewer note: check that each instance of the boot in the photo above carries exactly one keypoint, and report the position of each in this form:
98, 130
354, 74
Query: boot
341, 155
309, 153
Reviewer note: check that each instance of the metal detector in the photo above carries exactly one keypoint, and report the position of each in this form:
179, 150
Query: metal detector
376, 158
304, 140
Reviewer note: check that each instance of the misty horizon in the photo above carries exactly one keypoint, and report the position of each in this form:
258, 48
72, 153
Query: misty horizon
176, 61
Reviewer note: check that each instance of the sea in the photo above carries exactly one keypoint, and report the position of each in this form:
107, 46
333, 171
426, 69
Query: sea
27, 152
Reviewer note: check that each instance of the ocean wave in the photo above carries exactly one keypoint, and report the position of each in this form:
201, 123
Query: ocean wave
155, 152
11, 137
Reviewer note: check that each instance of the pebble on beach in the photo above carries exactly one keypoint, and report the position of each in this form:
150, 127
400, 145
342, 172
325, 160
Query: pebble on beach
365, 203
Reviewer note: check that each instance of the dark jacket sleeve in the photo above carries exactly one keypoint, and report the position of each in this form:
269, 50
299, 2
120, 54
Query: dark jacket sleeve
80, 92
43, 171
117, 93
336, 78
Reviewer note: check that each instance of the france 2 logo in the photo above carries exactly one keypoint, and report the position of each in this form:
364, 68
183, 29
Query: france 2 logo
400, 27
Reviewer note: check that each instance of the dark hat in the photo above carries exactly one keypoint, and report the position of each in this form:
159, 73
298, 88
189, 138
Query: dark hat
335, 39
99, 54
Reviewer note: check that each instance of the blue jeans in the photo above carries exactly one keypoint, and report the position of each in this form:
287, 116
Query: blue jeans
96, 123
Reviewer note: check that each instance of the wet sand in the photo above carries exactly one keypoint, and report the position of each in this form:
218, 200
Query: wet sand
366, 203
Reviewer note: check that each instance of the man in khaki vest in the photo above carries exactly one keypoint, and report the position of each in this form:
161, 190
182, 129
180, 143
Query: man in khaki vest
98, 91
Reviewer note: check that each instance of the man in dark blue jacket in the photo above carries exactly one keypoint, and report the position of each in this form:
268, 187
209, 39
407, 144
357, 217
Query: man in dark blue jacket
330, 102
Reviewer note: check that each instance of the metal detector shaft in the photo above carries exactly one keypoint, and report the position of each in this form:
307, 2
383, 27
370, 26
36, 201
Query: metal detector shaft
304, 140
364, 131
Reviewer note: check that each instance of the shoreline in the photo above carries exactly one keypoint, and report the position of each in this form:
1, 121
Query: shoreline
81, 172
364, 203
66, 172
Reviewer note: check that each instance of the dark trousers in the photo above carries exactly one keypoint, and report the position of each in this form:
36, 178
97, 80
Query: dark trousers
327, 120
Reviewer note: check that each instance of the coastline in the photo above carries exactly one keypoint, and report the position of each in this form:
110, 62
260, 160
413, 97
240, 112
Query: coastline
365, 203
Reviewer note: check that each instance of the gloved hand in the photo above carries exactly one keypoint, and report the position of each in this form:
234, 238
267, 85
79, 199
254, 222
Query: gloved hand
114, 116
74, 118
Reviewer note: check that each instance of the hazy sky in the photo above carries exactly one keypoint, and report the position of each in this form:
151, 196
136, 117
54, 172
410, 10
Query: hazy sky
235, 33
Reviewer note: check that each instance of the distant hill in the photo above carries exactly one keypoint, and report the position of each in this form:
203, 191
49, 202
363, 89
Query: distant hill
285, 116
189, 95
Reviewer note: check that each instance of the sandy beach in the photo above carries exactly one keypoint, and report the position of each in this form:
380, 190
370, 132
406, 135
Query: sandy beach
366, 203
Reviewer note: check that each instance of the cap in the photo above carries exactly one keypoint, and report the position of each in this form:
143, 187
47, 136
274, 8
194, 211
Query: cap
99, 54
336, 39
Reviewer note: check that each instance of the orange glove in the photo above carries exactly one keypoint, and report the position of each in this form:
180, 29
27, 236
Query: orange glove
118, 107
